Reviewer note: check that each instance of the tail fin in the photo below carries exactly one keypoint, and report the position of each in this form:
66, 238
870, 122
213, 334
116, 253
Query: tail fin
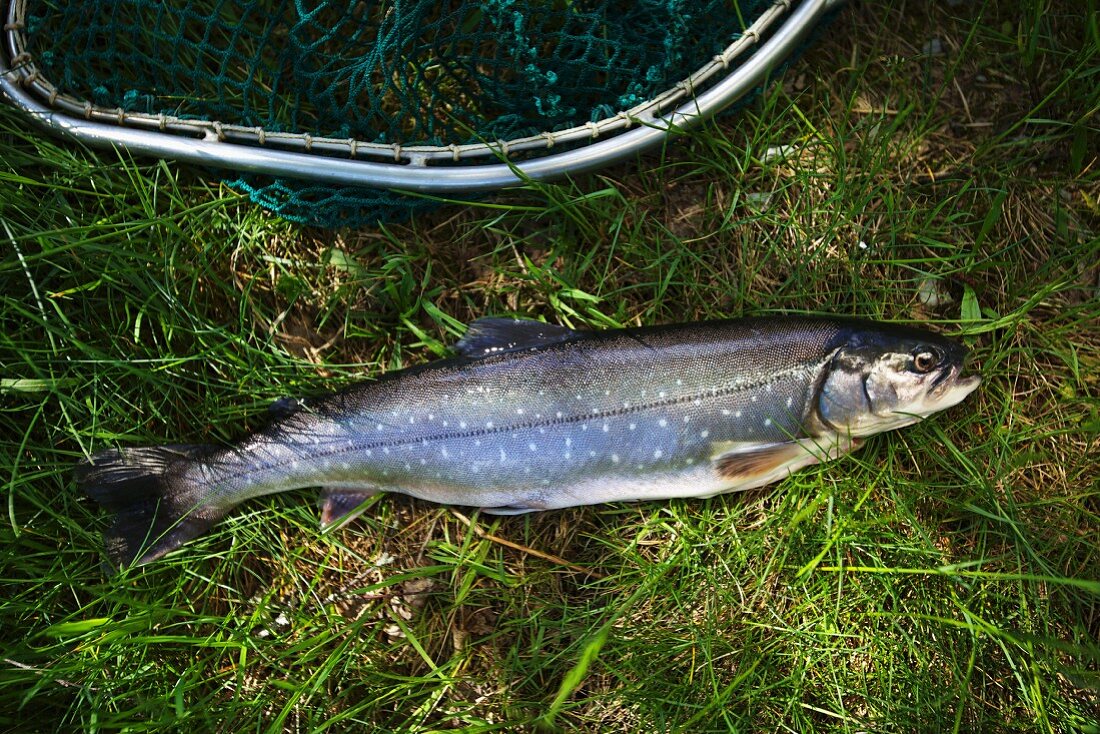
155, 509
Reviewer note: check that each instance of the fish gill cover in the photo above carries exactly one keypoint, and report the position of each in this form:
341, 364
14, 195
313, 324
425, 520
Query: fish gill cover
408, 72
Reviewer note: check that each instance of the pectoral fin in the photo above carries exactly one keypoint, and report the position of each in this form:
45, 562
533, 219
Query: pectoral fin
754, 465
340, 506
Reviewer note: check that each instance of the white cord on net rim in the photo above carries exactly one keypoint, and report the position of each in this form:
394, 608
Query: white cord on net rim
740, 68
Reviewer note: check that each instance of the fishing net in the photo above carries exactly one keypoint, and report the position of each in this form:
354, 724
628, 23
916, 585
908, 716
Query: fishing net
397, 73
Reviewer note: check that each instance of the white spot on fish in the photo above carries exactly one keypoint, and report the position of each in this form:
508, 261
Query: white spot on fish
567, 455
345, 466
408, 466
385, 449
445, 454
431, 416
679, 381
532, 447
737, 414
477, 442
662, 423
704, 434
584, 426
488, 424
754, 398
568, 441
606, 428
767, 421
378, 427
368, 452
591, 453
545, 482
541, 392
690, 462
626, 404
606, 392
423, 462
633, 426
769, 387
542, 430
614, 458
503, 456
412, 419
725, 412
294, 465
519, 411
661, 394
696, 401
687, 418
462, 424
578, 397
658, 454
526, 470
790, 402
558, 414
444, 424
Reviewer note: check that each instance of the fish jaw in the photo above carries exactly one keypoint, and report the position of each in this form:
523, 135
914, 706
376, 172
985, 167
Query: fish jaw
952, 392
957, 390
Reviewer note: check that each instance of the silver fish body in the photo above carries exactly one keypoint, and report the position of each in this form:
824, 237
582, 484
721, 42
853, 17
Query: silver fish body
533, 417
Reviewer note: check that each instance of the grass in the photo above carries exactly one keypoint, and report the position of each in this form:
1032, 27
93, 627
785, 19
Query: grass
945, 578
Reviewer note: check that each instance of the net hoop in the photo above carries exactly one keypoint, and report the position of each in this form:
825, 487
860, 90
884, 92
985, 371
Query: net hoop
741, 67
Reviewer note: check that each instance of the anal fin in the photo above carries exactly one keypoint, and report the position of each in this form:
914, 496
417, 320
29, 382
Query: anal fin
754, 465
339, 505
507, 510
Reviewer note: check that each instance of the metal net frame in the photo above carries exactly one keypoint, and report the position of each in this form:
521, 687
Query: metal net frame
324, 109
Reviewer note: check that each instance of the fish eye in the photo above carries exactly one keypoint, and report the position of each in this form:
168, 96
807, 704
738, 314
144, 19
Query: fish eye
926, 359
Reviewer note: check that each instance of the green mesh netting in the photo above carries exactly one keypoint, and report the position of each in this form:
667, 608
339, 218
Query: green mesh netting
403, 71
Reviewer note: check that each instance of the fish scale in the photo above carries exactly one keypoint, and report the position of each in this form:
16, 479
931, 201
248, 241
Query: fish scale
532, 416
515, 428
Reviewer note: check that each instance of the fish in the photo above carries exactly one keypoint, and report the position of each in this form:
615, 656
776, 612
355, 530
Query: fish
530, 416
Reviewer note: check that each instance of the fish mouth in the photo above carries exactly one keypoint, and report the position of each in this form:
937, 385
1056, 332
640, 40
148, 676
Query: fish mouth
944, 375
948, 390
951, 388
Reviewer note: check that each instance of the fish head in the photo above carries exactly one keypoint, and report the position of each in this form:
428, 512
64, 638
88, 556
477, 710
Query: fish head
882, 378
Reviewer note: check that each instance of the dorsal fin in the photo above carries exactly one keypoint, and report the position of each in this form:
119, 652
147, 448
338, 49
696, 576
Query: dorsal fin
491, 336
283, 407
